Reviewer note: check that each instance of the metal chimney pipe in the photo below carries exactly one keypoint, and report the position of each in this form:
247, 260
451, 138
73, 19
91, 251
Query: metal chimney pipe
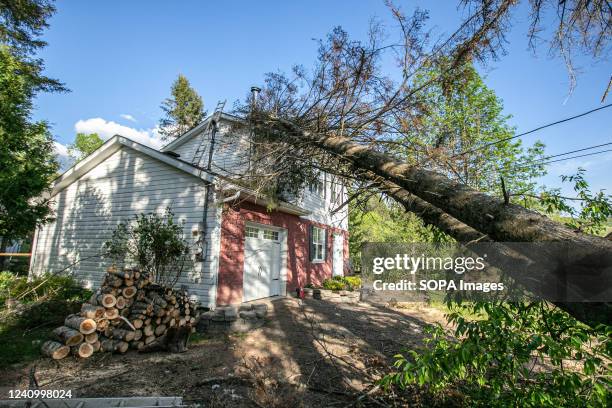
255, 94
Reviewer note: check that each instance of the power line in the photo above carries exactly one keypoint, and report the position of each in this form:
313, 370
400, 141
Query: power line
559, 160
527, 163
531, 131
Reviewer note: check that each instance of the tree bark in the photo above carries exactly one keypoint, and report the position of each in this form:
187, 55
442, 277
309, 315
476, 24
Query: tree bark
489, 215
68, 336
55, 350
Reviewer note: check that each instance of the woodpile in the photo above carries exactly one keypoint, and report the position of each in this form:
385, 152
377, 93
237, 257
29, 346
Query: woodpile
128, 311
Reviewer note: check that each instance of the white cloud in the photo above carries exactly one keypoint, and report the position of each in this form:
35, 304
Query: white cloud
129, 117
107, 129
61, 154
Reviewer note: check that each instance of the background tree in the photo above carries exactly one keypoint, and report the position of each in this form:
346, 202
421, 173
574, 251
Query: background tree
84, 145
460, 116
183, 110
27, 160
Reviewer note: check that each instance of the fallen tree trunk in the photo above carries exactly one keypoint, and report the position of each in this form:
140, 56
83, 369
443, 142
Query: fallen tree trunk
457, 209
489, 215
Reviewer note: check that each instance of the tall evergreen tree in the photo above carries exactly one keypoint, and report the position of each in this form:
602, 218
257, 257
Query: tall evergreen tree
183, 110
27, 159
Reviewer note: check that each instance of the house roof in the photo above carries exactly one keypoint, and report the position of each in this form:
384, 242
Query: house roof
196, 130
116, 142
111, 146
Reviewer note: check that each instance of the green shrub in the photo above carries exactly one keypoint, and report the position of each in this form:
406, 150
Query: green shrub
342, 283
45, 287
353, 281
333, 284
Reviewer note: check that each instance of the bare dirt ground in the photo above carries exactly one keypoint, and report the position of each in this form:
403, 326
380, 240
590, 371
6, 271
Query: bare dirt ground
311, 354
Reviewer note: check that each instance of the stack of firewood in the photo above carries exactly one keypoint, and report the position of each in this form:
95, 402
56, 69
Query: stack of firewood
128, 311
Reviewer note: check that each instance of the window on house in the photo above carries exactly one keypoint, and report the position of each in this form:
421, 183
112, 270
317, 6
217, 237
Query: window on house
272, 235
251, 232
318, 244
316, 187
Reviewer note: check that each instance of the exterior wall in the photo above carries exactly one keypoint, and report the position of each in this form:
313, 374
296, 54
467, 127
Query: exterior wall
321, 205
125, 184
231, 151
300, 270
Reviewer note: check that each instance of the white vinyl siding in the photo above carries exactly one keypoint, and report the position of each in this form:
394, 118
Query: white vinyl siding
231, 158
125, 184
230, 154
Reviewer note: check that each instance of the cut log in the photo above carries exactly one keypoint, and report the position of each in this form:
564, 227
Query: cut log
125, 335
91, 312
149, 339
91, 338
148, 330
128, 282
129, 292
120, 302
111, 313
107, 300
161, 329
55, 350
137, 323
96, 346
68, 336
137, 335
82, 350
102, 324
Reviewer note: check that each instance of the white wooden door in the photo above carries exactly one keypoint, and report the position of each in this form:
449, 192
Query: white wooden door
338, 255
261, 263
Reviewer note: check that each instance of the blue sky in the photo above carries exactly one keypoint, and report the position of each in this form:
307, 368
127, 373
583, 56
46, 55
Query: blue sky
119, 58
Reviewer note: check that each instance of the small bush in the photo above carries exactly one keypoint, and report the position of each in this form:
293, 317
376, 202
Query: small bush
333, 284
45, 287
353, 281
342, 283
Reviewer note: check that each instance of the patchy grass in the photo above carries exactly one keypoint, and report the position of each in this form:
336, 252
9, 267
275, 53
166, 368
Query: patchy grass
24, 328
20, 346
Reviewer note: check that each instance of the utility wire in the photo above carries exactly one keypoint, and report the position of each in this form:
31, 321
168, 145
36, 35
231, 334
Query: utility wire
559, 160
543, 159
531, 131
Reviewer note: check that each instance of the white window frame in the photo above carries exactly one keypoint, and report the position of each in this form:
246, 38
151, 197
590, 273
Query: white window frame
318, 244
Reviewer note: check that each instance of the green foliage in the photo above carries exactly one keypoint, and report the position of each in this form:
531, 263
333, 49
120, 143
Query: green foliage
25, 328
519, 354
342, 283
529, 355
594, 209
154, 242
45, 287
84, 145
26, 148
26, 153
383, 220
183, 110
21, 24
333, 284
353, 281
461, 115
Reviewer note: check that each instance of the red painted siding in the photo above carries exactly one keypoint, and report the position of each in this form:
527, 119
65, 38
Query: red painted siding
300, 271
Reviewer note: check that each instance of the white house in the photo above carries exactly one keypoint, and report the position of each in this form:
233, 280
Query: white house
249, 252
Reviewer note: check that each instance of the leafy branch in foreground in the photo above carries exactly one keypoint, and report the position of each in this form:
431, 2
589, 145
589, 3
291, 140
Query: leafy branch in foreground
519, 354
